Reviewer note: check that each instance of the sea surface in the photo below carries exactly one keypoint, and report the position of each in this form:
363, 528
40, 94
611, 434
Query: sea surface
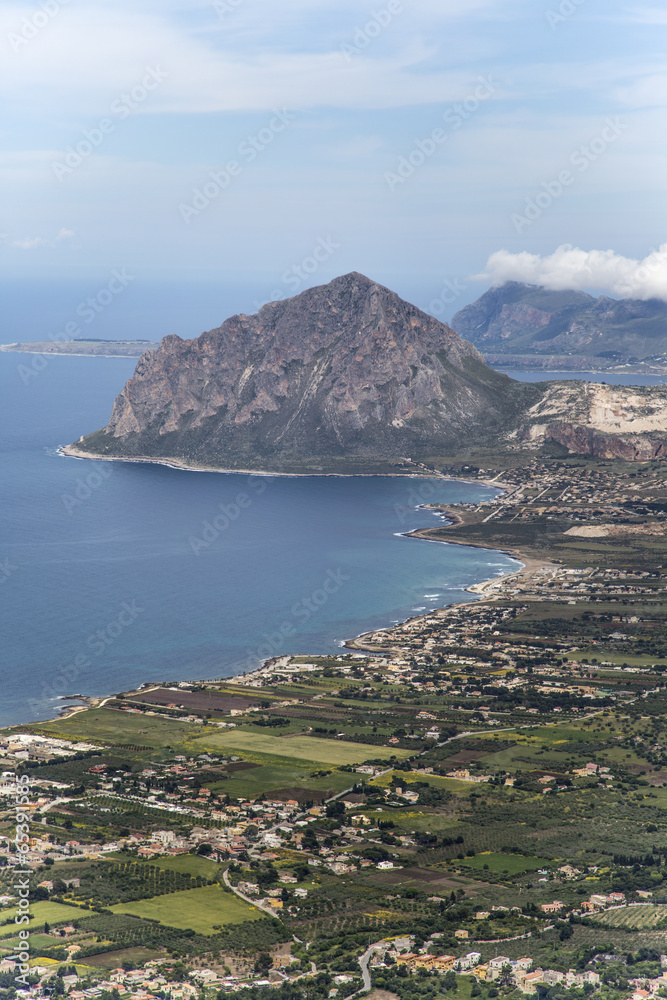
606, 378
112, 574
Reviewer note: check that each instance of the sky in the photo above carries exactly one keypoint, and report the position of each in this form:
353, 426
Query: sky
221, 154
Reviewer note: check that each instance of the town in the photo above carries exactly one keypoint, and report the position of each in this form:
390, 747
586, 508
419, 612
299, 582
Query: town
470, 803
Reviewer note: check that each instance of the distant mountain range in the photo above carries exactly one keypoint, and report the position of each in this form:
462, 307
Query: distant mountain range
525, 320
348, 377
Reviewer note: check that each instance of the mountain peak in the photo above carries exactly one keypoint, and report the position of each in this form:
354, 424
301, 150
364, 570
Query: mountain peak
345, 370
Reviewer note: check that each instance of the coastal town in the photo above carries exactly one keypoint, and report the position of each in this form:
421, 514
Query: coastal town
469, 803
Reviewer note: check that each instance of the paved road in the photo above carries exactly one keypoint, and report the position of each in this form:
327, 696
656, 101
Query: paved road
363, 962
269, 912
50, 805
246, 899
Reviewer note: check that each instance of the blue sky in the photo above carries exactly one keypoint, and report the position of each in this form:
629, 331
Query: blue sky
403, 139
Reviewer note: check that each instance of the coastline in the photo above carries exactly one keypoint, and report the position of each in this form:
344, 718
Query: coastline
10, 349
528, 565
21, 347
71, 451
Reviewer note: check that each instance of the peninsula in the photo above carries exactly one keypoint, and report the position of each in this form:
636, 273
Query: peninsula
349, 378
83, 347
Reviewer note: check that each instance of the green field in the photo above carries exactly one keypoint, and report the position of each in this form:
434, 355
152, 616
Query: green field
52, 913
190, 864
112, 959
306, 748
500, 864
107, 725
278, 773
195, 909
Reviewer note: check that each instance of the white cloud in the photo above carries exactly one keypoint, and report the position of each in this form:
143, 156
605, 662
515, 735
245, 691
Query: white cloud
30, 242
87, 55
571, 268
36, 242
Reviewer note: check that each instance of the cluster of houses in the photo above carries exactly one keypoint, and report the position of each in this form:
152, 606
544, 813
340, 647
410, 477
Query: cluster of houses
515, 972
148, 983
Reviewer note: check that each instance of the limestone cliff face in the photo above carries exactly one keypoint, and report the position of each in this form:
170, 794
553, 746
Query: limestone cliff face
345, 369
604, 421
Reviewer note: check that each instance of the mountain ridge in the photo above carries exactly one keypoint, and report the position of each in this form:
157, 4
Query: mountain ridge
349, 377
518, 318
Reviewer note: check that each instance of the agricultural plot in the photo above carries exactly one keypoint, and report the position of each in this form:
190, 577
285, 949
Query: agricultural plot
201, 910
113, 959
187, 864
106, 725
504, 864
275, 775
638, 917
305, 748
51, 913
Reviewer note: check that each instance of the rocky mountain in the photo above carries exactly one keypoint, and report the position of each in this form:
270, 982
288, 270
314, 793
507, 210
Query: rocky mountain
345, 370
520, 319
343, 377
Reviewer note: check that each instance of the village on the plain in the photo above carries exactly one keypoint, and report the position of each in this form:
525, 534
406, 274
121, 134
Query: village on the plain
472, 803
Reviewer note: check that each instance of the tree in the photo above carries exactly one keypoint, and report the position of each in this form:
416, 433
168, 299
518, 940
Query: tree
263, 962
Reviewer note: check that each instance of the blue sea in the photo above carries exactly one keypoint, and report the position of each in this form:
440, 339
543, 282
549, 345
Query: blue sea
112, 574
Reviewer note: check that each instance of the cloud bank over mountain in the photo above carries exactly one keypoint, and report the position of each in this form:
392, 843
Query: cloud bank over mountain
572, 268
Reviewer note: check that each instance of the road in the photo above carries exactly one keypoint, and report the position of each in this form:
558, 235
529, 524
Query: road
246, 899
269, 912
50, 805
363, 962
